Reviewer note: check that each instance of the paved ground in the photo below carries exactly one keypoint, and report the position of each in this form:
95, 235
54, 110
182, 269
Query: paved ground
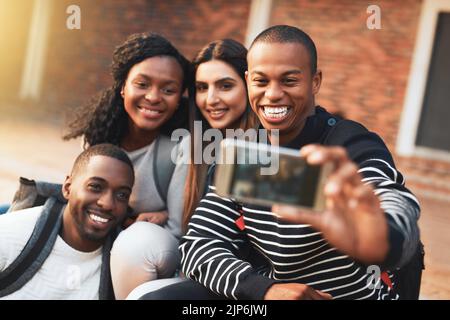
33, 148
435, 229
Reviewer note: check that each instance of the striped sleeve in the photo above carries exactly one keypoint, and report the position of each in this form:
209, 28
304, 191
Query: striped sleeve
377, 168
212, 251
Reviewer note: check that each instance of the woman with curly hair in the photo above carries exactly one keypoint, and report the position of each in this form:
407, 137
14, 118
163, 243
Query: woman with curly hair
139, 113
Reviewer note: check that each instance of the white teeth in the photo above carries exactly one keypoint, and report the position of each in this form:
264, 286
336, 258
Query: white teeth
217, 112
98, 219
150, 112
276, 112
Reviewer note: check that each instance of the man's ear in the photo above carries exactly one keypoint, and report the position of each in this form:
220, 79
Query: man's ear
316, 82
66, 187
246, 76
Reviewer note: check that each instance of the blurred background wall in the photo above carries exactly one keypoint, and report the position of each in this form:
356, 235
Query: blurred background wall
394, 79
366, 72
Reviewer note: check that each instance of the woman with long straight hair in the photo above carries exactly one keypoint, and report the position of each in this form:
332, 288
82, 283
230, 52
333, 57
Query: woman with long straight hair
218, 100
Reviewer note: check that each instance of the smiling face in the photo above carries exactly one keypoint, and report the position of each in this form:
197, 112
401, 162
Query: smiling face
281, 87
152, 92
220, 94
97, 201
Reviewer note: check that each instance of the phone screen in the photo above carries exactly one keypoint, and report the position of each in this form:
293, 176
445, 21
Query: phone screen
294, 182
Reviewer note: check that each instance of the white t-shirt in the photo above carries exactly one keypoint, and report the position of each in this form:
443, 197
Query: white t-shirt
66, 273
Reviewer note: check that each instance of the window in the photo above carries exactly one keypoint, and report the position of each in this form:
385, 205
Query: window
434, 125
425, 124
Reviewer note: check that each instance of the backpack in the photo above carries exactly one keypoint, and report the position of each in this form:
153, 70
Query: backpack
35, 193
407, 278
32, 193
163, 167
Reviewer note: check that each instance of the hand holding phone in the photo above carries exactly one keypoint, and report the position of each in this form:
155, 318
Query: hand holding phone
353, 220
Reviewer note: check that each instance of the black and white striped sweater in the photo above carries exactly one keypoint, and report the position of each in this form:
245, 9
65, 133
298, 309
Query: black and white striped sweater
243, 264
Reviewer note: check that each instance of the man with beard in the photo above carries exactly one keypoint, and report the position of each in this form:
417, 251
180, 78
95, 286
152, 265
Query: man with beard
74, 262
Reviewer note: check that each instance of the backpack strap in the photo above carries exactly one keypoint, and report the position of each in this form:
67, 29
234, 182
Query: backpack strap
331, 122
106, 290
36, 251
163, 166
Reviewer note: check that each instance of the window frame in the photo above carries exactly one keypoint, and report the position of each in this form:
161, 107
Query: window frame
417, 82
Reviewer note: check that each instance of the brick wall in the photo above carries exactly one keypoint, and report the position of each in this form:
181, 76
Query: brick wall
428, 178
365, 72
78, 60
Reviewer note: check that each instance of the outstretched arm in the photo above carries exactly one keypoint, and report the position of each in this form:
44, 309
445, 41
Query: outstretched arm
370, 215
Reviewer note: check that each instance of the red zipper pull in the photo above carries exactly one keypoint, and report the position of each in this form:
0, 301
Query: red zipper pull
240, 223
387, 281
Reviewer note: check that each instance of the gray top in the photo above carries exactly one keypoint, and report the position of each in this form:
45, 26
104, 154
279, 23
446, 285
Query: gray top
145, 197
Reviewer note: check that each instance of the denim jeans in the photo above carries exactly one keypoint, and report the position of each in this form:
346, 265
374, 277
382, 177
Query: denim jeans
4, 208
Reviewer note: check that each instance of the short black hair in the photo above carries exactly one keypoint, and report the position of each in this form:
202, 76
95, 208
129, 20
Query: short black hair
289, 34
103, 149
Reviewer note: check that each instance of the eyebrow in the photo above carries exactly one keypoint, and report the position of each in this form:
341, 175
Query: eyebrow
99, 179
220, 80
165, 81
289, 72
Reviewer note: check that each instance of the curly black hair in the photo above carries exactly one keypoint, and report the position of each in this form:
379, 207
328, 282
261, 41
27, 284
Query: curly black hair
104, 119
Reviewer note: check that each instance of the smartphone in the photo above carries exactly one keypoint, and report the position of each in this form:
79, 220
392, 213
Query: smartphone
262, 174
